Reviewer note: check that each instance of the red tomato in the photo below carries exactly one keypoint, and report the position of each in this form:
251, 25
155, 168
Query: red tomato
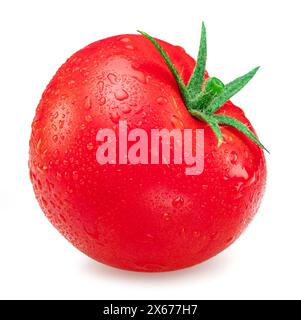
138, 217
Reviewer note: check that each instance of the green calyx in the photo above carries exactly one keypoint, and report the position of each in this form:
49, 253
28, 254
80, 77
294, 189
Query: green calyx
203, 98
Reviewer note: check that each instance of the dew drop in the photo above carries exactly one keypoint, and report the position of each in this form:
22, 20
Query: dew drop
121, 94
90, 146
61, 124
56, 153
165, 216
126, 109
112, 78
178, 202
114, 116
125, 40
140, 76
88, 103
162, 100
55, 138
88, 118
130, 47
238, 171
233, 157
75, 175
196, 234
102, 101
100, 85
58, 176
138, 109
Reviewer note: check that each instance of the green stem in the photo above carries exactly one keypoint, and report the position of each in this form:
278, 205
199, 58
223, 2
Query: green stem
202, 101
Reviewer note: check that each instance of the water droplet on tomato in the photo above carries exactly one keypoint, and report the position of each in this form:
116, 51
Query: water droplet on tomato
69, 190
238, 187
166, 216
55, 138
126, 109
130, 47
112, 77
238, 171
100, 86
233, 157
56, 153
121, 94
196, 234
178, 202
138, 109
102, 101
140, 76
61, 124
125, 40
162, 100
114, 116
75, 175
88, 103
88, 118
90, 146
58, 176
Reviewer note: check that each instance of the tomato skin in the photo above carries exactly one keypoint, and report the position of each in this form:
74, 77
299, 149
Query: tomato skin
137, 217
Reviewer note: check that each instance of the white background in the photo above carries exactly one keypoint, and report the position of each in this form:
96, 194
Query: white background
38, 36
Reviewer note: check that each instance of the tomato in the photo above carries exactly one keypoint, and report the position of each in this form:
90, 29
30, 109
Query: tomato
138, 217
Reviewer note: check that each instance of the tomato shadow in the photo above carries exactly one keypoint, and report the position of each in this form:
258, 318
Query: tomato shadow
207, 269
